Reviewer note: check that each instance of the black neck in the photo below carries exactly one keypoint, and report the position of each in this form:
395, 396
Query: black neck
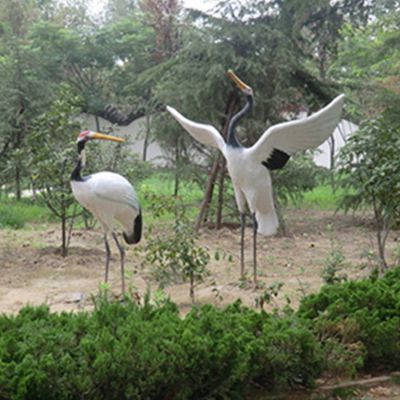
76, 173
232, 141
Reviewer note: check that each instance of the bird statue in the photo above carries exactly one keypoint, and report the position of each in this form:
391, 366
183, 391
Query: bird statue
109, 197
249, 167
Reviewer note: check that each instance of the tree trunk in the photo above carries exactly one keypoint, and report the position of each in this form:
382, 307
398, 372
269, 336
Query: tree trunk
64, 212
18, 181
71, 224
332, 159
208, 193
281, 219
322, 62
33, 189
205, 204
177, 167
221, 188
381, 250
64, 249
21, 130
192, 287
146, 138
176, 185
97, 121
382, 232
382, 235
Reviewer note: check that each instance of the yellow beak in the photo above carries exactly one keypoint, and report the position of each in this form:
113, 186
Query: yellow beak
239, 83
102, 136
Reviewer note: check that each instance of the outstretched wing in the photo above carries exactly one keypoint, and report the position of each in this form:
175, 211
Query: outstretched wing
205, 134
280, 141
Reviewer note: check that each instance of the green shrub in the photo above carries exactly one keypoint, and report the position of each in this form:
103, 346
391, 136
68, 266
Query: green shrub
285, 354
175, 257
133, 352
371, 307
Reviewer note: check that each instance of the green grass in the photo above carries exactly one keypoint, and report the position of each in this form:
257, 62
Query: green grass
323, 197
162, 185
15, 214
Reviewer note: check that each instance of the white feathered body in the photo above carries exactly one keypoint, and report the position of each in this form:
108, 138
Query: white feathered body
252, 183
109, 197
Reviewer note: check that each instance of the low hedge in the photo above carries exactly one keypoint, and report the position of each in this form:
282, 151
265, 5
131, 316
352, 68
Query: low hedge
362, 314
126, 351
123, 351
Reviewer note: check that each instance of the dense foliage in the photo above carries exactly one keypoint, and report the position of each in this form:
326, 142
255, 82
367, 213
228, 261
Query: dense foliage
124, 350
370, 166
127, 351
360, 315
174, 256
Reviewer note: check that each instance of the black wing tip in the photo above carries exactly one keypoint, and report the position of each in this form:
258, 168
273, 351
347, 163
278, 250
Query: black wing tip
276, 160
137, 230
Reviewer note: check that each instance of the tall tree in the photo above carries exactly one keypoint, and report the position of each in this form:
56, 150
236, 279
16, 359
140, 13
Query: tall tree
24, 92
53, 157
146, 66
162, 16
29, 78
370, 166
367, 64
79, 59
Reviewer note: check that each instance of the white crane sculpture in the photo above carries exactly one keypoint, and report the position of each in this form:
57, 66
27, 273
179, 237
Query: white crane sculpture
249, 168
109, 197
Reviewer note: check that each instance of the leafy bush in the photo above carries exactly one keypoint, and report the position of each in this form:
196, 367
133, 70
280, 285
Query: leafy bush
286, 353
128, 351
175, 256
363, 314
334, 262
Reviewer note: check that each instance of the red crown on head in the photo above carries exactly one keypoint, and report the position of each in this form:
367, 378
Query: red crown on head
83, 134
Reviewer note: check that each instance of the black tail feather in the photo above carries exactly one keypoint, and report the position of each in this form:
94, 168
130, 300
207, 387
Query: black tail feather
137, 230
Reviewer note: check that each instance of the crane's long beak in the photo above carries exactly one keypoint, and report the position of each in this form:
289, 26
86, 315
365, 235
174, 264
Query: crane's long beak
102, 136
239, 83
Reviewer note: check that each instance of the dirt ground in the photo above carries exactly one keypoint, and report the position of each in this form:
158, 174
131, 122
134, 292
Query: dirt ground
33, 272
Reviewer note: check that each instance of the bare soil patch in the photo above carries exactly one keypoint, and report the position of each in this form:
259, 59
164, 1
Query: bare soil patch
32, 270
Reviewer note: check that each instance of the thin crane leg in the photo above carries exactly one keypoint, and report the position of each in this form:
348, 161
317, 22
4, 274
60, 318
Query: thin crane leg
255, 226
242, 229
122, 253
108, 256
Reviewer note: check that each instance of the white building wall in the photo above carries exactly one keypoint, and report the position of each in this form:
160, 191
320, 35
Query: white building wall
340, 134
134, 133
